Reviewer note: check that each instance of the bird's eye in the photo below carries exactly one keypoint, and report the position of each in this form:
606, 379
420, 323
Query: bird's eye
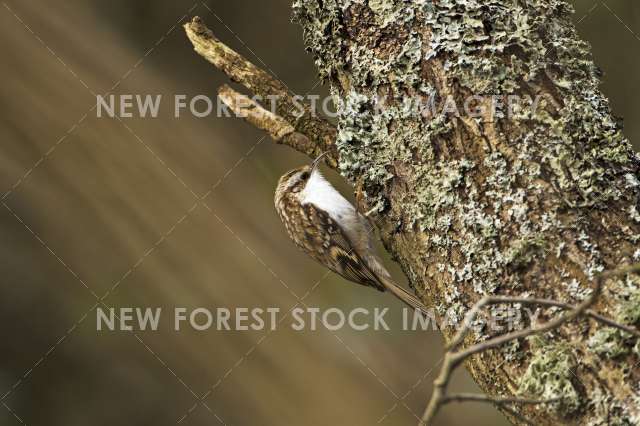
305, 175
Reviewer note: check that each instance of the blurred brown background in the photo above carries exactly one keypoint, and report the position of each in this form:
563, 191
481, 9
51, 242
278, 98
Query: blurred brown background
99, 206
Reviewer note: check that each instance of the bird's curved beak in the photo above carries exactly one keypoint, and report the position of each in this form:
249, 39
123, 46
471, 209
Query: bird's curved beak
317, 161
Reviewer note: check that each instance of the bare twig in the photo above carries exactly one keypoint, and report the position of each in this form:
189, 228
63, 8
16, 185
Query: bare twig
479, 397
318, 135
498, 300
503, 402
454, 358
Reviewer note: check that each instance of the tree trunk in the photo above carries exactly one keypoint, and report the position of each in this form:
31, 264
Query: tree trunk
534, 203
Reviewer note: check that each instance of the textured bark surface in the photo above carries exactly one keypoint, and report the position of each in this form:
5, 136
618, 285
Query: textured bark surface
535, 204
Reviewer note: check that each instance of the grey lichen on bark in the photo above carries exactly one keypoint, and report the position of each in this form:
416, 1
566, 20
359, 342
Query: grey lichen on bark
535, 203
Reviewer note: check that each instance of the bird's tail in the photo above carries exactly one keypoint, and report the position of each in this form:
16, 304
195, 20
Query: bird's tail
379, 271
411, 300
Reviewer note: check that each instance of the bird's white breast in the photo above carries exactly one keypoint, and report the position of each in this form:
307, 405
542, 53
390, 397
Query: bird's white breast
319, 192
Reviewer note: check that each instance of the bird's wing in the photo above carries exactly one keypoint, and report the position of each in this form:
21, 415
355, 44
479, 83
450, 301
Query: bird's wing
343, 258
338, 251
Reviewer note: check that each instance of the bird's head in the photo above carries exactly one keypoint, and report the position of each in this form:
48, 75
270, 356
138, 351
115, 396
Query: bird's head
295, 180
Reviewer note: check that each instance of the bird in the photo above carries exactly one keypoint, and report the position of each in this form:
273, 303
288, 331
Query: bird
328, 228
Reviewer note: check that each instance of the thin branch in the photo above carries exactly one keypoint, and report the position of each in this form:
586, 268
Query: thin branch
502, 402
498, 400
319, 134
453, 359
498, 300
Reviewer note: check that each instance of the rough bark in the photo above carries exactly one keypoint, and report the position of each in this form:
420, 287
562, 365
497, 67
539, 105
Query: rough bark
535, 204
